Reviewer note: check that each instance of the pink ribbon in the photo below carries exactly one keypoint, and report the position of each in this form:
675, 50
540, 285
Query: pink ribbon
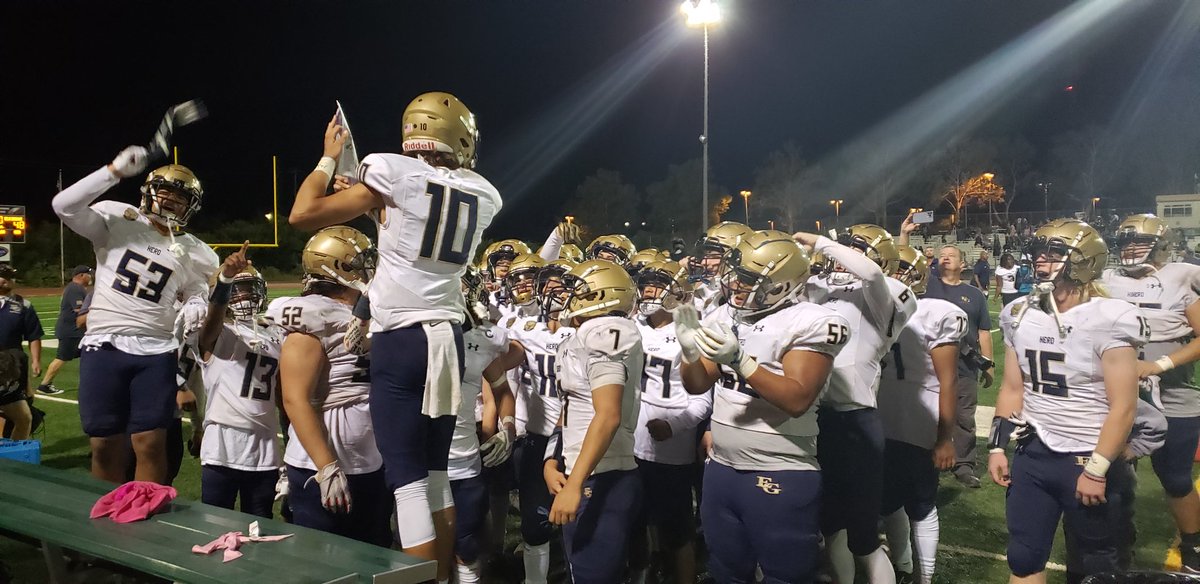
230, 542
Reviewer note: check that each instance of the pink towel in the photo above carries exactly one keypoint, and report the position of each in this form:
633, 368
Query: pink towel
230, 542
133, 501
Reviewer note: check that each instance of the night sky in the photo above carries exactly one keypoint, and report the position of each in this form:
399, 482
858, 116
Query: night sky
83, 79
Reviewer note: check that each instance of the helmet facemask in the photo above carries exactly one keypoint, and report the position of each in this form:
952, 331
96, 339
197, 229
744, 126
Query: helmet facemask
473, 295
248, 298
551, 292
749, 292
704, 265
911, 277
657, 292
1137, 250
1051, 259
521, 285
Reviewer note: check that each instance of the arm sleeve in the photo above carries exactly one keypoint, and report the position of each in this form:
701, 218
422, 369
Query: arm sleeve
699, 408
879, 296
72, 205
553, 244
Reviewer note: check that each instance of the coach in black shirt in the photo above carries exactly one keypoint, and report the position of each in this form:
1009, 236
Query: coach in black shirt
18, 323
66, 331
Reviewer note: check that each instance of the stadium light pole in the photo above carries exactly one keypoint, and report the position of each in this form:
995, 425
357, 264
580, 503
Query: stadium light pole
837, 211
703, 14
746, 203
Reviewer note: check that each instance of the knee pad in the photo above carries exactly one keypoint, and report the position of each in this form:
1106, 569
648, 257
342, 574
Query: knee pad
440, 496
414, 523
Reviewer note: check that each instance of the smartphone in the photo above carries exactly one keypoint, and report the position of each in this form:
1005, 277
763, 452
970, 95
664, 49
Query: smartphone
922, 217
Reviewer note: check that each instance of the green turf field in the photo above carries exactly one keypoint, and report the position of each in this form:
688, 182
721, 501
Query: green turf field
973, 527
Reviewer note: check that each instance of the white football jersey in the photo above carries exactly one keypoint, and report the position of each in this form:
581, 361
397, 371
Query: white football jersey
855, 379
908, 386
343, 399
1065, 399
241, 417
749, 433
584, 361
538, 400
481, 344
138, 279
664, 398
1163, 297
435, 218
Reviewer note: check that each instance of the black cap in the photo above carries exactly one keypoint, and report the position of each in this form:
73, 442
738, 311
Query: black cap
81, 269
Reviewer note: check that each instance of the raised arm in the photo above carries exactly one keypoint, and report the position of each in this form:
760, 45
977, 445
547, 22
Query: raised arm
313, 209
73, 204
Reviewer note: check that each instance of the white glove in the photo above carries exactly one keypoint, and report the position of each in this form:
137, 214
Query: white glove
335, 488
721, 346
1022, 428
357, 341
281, 485
192, 314
498, 448
131, 161
687, 331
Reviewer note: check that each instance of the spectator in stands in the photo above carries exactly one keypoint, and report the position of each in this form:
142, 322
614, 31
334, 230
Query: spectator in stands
933, 272
1190, 257
982, 272
18, 323
66, 332
1024, 276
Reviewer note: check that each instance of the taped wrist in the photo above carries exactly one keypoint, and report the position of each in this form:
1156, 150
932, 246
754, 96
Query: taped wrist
1097, 465
326, 165
1001, 434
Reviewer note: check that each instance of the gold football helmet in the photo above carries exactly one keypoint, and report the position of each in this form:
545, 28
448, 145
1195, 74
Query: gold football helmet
643, 256
615, 248
1075, 247
1144, 239
178, 180
874, 242
339, 254
913, 268
439, 122
663, 285
764, 270
570, 251
596, 288
503, 250
550, 285
249, 295
520, 282
717, 240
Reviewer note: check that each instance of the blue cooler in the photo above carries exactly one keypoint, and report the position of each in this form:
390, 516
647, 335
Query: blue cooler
21, 450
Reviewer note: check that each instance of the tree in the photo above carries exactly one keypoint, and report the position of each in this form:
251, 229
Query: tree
980, 190
1014, 160
784, 185
961, 166
603, 203
672, 203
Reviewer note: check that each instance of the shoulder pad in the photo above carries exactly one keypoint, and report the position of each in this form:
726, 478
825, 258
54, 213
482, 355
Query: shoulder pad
313, 315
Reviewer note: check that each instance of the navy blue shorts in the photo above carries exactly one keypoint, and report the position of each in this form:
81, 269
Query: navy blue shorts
850, 450
221, 486
768, 518
412, 444
120, 393
597, 542
910, 480
1173, 462
371, 506
470, 509
1042, 491
68, 349
534, 498
668, 493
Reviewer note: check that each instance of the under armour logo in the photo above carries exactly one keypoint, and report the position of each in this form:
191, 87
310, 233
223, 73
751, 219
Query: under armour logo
768, 486
472, 347
1153, 285
671, 340
758, 328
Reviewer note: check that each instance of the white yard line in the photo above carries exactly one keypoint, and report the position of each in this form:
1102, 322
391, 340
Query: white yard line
966, 551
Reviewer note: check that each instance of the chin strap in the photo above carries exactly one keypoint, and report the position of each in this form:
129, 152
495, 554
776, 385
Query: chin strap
1043, 292
175, 248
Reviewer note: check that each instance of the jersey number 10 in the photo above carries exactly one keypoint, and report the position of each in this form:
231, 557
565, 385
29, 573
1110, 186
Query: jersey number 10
446, 228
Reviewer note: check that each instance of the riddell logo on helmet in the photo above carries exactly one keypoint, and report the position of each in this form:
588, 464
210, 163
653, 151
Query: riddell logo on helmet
420, 145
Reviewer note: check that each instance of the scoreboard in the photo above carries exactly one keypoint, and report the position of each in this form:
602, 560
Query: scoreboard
12, 224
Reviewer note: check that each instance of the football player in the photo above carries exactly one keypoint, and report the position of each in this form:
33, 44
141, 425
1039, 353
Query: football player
499, 257
437, 209
239, 365
1167, 294
644, 256
855, 283
665, 436
917, 400
483, 342
143, 264
704, 263
533, 344
331, 437
615, 248
597, 494
1070, 394
770, 355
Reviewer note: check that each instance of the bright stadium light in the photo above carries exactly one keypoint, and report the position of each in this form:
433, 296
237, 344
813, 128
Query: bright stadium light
703, 14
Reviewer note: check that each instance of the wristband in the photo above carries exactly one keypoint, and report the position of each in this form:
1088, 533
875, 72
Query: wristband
1002, 431
507, 421
996, 451
747, 366
220, 293
1097, 465
224, 280
327, 165
1165, 363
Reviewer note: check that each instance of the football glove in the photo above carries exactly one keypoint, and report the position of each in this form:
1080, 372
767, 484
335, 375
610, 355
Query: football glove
281, 485
720, 345
569, 232
131, 161
335, 488
687, 331
498, 448
357, 340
